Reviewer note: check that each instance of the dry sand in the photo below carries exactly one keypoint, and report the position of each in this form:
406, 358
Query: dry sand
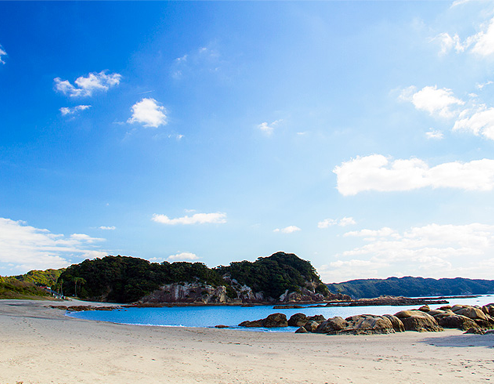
41, 345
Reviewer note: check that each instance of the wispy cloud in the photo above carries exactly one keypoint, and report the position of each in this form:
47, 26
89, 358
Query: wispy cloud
71, 111
112, 228
290, 229
433, 134
148, 113
86, 86
268, 129
379, 173
2, 53
197, 218
184, 256
23, 247
326, 223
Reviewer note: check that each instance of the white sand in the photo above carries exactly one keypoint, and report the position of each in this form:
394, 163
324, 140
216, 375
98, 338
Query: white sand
41, 345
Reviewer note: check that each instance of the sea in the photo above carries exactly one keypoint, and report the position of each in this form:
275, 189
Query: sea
231, 316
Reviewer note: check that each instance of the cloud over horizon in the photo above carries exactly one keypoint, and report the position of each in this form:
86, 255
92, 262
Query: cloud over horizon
23, 247
184, 256
379, 173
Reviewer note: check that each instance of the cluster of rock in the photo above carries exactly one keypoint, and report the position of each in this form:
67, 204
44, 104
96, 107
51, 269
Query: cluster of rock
387, 300
472, 319
80, 308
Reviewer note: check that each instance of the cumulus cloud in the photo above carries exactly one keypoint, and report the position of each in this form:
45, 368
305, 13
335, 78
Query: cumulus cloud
290, 229
379, 173
148, 113
184, 256
197, 218
71, 111
439, 102
23, 247
479, 121
326, 223
112, 228
86, 86
432, 251
268, 129
2, 53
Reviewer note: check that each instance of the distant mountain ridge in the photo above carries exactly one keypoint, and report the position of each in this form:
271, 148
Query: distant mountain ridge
412, 287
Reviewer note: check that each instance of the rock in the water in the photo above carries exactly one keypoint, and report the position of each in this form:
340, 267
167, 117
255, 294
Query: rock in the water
221, 326
332, 325
301, 330
273, 320
298, 320
418, 321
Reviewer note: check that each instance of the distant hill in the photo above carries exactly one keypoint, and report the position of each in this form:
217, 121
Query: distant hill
27, 286
279, 277
412, 287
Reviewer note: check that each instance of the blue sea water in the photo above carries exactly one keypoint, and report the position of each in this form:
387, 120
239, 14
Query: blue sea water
209, 316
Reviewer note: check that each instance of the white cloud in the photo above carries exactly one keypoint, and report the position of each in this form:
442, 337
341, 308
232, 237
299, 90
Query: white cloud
482, 85
70, 111
431, 251
479, 122
112, 228
197, 218
326, 223
268, 129
85, 86
432, 134
25, 247
183, 256
290, 229
378, 173
2, 53
435, 101
148, 113
449, 42
484, 41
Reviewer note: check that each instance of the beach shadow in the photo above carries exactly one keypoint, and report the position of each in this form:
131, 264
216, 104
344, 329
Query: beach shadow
462, 341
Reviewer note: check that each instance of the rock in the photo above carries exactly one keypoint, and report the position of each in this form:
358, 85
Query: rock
298, 320
221, 326
490, 332
311, 326
301, 330
425, 308
272, 321
471, 312
287, 307
488, 309
318, 318
275, 320
368, 325
397, 323
332, 325
475, 330
451, 320
418, 321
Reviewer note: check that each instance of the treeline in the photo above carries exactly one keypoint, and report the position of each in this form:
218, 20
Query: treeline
126, 279
412, 287
27, 286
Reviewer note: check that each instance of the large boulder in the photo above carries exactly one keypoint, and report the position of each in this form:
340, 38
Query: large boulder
368, 325
318, 318
488, 309
397, 323
470, 312
418, 321
273, 320
332, 325
298, 320
311, 326
452, 320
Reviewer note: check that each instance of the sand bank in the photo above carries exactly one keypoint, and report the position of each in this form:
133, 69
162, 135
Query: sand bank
41, 345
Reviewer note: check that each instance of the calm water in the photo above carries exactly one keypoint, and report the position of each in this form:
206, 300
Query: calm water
233, 315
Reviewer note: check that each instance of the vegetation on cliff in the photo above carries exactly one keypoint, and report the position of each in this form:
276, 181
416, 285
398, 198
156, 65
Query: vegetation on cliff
27, 286
412, 287
127, 279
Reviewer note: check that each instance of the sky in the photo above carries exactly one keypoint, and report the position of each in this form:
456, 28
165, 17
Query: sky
358, 135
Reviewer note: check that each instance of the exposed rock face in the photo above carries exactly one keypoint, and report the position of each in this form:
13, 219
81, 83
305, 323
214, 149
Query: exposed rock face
358, 325
418, 321
396, 323
311, 326
425, 308
451, 320
332, 325
301, 330
273, 320
488, 309
187, 293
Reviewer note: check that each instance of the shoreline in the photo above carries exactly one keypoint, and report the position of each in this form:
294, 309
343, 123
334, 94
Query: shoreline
41, 345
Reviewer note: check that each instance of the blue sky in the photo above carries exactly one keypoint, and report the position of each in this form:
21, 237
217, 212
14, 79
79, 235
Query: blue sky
358, 135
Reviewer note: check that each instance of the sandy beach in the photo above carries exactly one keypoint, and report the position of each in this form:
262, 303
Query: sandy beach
41, 345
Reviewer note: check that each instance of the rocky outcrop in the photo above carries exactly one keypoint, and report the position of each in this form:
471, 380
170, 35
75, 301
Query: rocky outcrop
419, 321
359, 325
273, 320
298, 320
387, 300
187, 293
